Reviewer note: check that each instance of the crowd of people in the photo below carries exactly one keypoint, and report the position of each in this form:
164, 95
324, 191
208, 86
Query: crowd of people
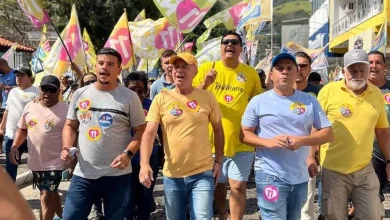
207, 127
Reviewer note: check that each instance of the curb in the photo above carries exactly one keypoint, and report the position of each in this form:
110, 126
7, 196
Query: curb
24, 179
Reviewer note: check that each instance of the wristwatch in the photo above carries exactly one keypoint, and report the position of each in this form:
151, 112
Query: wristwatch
128, 153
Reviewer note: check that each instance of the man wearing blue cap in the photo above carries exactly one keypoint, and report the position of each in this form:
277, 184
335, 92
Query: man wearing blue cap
278, 124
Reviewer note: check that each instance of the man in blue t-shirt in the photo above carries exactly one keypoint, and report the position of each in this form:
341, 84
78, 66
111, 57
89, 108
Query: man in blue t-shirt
7, 82
165, 82
142, 197
278, 123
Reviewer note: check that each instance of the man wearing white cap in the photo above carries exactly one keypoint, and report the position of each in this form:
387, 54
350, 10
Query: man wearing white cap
357, 112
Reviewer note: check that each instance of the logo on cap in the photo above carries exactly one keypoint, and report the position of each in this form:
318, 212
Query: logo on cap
355, 55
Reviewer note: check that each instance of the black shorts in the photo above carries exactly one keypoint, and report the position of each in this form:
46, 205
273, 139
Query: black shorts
380, 170
47, 180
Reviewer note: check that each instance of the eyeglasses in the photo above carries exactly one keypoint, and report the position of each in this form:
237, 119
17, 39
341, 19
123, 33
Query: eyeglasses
48, 89
89, 82
233, 41
303, 66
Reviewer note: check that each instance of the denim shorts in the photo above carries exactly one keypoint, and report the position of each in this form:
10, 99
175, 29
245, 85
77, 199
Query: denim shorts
47, 180
237, 167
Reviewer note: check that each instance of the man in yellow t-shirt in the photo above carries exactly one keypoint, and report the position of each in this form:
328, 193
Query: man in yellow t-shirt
233, 84
189, 170
357, 112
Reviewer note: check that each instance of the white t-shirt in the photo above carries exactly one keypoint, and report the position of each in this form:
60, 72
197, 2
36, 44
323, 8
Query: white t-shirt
17, 100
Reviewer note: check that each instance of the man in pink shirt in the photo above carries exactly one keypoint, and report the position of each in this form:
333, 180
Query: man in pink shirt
42, 123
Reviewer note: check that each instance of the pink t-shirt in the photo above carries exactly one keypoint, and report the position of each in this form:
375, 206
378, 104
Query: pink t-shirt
44, 140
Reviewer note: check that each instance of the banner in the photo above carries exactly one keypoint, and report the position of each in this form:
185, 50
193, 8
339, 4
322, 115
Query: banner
151, 38
34, 11
146, 65
41, 53
292, 48
228, 17
90, 54
140, 16
121, 41
265, 64
210, 52
320, 62
380, 43
184, 15
256, 12
57, 61
9, 56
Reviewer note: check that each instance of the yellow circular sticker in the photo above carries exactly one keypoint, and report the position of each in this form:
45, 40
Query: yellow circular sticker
386, 97
94, 133
346, 110
298, 108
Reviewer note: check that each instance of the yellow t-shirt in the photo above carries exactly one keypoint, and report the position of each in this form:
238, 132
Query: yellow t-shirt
233, 89
354, 119
184, 120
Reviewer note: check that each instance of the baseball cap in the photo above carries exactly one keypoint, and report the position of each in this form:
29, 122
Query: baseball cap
281, 56
355, 56
50, 80
24, 70
187, 57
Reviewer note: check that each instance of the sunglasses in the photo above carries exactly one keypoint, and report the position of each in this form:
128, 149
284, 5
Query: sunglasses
303, 66
233, 41
89, 82
45, 89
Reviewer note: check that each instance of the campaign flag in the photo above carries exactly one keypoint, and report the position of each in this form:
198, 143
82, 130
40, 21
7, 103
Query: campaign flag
34, 11
140, 16
151, 38
256, 12
209, 51
90, 54
9, 56
228, 17
184, 15
380, 40
57, 61
120, 40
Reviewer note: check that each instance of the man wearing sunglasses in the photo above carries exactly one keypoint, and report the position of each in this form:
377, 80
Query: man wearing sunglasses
103, 113
304, 69
17, 100
42, 124
233, 84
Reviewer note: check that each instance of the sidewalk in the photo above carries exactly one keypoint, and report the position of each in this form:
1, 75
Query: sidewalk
32, 196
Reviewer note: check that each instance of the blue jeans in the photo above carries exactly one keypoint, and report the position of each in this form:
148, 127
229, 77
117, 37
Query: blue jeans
142, 196
195, 192
11, 168
114, 190
278, 200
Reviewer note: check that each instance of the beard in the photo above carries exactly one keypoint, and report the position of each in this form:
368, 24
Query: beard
356, 84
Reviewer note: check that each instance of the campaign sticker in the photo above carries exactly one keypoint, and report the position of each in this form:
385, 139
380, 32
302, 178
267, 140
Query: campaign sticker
85, 104
193, 105
386, 97
32, 124
346, 110
298, 108
85, 117
49, 125
271, 193
176, 109
228, 98
106, 120
241, 77
94, 133
145, 112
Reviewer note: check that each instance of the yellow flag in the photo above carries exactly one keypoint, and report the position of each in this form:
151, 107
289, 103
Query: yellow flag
140, 16
120, 41
57, 62
90, 54
34, 11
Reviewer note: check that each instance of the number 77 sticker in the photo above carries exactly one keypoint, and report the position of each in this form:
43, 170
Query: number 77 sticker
94, 133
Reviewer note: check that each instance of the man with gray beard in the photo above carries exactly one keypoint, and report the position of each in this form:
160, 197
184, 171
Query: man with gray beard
357, 112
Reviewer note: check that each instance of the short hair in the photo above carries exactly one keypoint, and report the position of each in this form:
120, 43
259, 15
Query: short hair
137, 76
110, 51
168, 53
303, 55
379, 53
314, 76
3, 61
232, 33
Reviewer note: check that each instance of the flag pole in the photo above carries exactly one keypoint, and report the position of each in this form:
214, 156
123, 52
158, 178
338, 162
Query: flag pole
131, 42
272, 28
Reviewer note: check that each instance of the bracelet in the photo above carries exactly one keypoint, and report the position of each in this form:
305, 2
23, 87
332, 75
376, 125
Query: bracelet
217, 162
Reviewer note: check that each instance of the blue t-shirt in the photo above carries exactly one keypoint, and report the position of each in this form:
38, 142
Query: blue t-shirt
274, 115
136, 158
159, 85
9, 79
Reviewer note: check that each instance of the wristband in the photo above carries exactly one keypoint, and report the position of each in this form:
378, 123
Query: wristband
216, 161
